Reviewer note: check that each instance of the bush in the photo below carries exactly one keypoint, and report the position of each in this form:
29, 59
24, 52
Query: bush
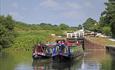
107, 30
6, 31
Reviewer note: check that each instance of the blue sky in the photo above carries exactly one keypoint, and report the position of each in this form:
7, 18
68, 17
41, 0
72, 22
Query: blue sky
70, 12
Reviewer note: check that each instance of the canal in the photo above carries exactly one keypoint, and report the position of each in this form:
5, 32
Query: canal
94, 59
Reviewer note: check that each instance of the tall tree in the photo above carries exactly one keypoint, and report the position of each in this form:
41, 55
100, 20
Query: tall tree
6, 31
109, 15
90, 24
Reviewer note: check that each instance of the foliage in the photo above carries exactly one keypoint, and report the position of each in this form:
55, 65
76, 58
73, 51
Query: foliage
63, 26
27, 35
106, 24
20, 26
109, 15
27, 39
107, 30
90, 24
113, 29
6, 31
79, 26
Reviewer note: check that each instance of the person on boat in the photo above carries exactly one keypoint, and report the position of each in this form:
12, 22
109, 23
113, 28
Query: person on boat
39, 47
63, 42
78, 43
58, 43
61, 46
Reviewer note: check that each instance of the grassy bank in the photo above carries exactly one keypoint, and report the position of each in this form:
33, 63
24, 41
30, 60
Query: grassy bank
101, 41
25, 40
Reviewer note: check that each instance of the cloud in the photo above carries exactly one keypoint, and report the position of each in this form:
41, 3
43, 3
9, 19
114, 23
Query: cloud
73, 5
72, 14
49, 3
60, 6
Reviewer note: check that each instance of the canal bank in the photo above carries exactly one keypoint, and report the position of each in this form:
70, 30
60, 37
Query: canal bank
90, 43
100, 40
100, 43
111, 49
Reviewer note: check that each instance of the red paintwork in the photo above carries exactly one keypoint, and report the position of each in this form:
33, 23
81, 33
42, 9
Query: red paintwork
69, 43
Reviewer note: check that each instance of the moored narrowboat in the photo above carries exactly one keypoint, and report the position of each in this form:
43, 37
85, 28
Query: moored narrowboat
41, 51
67, 50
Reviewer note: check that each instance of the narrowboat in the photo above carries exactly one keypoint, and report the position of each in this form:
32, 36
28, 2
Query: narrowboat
41, 51
67, 50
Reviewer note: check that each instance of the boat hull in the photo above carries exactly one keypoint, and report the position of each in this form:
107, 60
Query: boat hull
41, 56
61, 58
74, 52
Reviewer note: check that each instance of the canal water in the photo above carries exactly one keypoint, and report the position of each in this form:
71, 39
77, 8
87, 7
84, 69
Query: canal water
91, 60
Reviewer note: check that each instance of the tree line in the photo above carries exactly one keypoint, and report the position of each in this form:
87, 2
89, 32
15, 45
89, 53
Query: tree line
106, 24
42, 26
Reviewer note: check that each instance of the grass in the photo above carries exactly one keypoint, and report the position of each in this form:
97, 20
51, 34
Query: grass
101, 41
25, 40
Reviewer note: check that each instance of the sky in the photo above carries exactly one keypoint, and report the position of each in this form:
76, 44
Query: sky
70, 12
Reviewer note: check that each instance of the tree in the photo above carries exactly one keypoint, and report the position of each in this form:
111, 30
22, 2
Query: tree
107, 30
79, 26
113, 29
109, 15
6, 31
63, 26
90, 24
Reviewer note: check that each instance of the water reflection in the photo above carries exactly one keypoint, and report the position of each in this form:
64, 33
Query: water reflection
62, 65
50, 65
23, 66
92, 60
89, 65
41, 64
80, 64
113, 62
